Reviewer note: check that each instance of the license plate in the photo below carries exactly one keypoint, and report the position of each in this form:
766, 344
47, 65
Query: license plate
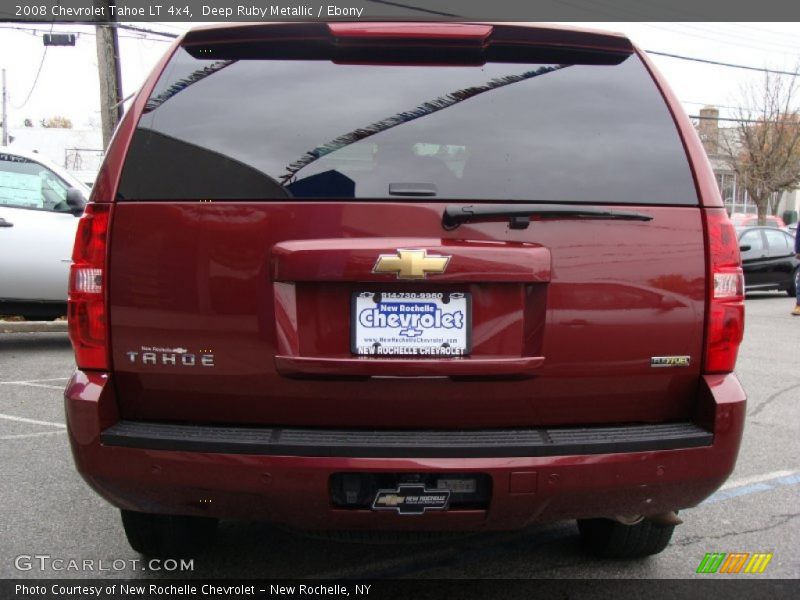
432, 324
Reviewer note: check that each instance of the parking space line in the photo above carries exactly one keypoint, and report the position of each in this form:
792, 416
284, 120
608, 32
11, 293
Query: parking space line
30, 435
39, 385
755, 479
790, 480
32, 421
750, 485
36, 380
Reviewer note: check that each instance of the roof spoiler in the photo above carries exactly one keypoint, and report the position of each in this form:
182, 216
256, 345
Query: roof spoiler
343, 41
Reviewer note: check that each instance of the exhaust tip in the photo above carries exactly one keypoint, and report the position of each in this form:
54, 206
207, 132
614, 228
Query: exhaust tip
628, 519
666, 519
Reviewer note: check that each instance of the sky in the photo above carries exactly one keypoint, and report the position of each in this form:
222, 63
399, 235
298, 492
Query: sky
67, 83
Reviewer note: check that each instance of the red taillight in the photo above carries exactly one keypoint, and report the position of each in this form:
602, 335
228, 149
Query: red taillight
88, 330
725, 325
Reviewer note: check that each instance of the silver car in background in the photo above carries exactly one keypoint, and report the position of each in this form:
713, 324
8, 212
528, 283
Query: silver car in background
40, 203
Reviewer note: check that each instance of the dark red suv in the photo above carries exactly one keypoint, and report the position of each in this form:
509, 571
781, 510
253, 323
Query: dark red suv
405, 277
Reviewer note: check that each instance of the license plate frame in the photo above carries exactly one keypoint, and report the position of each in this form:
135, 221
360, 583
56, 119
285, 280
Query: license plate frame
457, 340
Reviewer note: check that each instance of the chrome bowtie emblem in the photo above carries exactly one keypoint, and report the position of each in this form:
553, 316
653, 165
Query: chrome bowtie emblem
410, 264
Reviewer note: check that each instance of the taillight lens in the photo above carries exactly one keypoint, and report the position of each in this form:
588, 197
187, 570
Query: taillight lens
725, 325
88, 330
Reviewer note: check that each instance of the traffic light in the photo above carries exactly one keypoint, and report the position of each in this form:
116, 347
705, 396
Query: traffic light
59, 39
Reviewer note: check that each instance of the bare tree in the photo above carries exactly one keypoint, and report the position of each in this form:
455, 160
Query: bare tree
57, 122
763, 149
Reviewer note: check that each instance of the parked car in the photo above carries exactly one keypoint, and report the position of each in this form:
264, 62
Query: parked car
792, 228
768, 259
744, 220
369, 277
39, 206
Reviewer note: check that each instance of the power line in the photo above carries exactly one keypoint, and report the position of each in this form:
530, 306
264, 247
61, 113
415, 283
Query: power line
712, 104
124, 100
723, 38
707, 17
720, 37
654, 52
165, 24
117, 25
143, 30
752, 26
735, 39
414, 8
705, 34
593, 8
723, 64
699, 118
35, 79
34, 31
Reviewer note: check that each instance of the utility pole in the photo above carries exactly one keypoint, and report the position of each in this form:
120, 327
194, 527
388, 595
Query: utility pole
108, 70
5, 111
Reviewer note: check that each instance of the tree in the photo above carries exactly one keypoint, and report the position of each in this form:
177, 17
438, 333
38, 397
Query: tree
56, 122
763, 149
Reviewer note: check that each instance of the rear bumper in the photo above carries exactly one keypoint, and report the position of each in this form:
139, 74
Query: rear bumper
282, 476
492, 443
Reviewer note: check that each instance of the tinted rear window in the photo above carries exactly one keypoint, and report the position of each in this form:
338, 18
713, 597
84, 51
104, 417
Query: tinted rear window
263, 129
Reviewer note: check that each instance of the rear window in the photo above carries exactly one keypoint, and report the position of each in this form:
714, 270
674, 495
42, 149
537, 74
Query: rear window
269, 129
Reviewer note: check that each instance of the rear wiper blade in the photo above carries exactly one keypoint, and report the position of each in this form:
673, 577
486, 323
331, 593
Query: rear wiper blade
519, 215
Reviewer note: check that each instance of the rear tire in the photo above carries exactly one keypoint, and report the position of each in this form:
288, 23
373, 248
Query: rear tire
609, 539
167, 535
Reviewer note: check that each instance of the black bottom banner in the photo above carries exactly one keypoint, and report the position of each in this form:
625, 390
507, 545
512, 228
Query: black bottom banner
647, 589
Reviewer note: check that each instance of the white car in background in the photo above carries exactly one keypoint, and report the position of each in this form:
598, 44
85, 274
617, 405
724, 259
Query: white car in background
40, 203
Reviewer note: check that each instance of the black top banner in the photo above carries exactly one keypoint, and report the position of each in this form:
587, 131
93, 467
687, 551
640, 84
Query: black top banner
77, 11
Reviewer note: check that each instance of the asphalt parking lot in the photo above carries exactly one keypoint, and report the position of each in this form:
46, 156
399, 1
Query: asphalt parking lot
48, 510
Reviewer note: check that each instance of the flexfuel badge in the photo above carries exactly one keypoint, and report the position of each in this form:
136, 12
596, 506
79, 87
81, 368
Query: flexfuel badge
669, 361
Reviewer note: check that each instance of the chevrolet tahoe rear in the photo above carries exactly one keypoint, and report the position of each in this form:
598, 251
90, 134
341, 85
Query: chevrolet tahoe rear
405, 277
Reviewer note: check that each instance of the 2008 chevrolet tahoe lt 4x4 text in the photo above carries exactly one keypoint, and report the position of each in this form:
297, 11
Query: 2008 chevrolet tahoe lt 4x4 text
405, 277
